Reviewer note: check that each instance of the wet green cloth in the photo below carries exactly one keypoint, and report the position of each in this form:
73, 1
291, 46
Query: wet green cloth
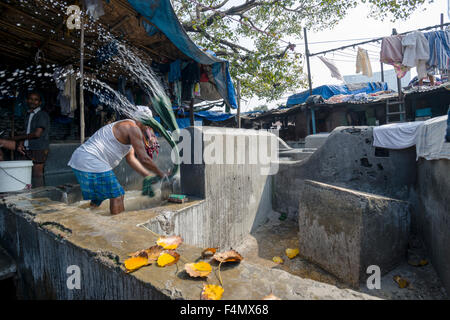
163, 107
147, 185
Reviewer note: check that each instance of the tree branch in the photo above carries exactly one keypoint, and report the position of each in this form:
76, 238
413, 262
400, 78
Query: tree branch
220, 5
233, 11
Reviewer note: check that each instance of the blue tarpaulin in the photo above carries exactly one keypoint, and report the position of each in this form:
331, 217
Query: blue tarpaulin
327, 91
161, 14
182, 122
214, 116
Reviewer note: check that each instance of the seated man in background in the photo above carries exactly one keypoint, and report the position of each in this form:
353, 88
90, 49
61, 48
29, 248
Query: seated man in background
94, 160
34, 144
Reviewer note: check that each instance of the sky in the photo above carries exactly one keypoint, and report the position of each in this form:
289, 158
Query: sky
356, 26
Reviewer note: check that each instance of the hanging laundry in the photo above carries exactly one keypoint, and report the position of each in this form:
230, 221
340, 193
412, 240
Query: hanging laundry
122, 82
334, 70
203, 74
363, 63
190, 75
197, 89
58, 77
129, 95
64, 103
177, 91
400, 70
70, 93
209, 92
439, 44
175, 71
391, 50
20, 105
94, 8
416, 52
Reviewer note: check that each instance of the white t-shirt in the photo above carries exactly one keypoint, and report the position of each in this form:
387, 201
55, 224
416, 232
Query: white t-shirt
26, 142
101, 153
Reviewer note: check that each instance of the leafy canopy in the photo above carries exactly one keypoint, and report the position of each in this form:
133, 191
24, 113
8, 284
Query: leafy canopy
251, 34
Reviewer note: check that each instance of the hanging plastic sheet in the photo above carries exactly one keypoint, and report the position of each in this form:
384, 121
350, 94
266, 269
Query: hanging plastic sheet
161, 14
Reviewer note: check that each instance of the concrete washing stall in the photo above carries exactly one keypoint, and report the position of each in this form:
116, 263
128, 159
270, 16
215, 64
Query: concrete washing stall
46, 230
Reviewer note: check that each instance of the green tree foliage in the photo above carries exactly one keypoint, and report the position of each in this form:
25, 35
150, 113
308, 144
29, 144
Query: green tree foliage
252, 33
264, 107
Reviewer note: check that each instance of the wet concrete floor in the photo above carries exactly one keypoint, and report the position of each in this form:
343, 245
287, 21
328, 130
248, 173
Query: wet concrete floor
273, 238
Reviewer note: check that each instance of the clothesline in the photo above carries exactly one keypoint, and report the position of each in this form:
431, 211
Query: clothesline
428, 52
376, 40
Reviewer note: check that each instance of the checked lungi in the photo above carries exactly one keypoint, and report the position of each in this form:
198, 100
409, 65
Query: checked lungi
98, 186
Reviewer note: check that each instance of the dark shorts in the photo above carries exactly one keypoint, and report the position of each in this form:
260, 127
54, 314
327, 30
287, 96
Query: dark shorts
98, 186
37, 156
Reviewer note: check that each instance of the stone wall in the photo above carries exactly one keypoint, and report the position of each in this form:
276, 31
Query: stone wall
347, 159
431, 215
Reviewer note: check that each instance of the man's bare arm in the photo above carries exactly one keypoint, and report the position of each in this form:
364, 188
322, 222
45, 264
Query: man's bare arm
135, 135
34, 135
135, 164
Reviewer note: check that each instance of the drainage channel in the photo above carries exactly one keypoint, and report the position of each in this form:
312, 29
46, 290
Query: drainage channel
7, 273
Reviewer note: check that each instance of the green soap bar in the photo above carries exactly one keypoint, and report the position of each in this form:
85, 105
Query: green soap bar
177, 196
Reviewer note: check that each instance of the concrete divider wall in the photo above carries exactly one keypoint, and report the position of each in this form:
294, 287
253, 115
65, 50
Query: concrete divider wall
43, 260
431, 215
345, 231
348, 159
238, 197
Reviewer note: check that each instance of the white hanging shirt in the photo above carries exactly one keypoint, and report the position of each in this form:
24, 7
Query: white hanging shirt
334, 70
416, 52
363, 63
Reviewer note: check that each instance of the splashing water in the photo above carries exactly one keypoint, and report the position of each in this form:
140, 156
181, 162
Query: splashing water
126, 60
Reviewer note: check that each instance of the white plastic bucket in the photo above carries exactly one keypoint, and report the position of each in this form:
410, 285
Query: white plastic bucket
15, 175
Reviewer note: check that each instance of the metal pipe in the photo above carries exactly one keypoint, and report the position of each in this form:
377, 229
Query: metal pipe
239, 103
313, 120
307, 61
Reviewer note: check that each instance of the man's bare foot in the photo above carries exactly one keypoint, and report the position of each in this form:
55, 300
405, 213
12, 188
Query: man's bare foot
93, 205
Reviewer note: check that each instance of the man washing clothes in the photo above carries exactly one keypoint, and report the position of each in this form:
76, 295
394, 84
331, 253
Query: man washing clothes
94, 160
34, 144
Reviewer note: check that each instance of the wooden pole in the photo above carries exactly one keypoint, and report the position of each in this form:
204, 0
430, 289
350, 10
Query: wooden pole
82, 124
191, 112
239, 103
13, 126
